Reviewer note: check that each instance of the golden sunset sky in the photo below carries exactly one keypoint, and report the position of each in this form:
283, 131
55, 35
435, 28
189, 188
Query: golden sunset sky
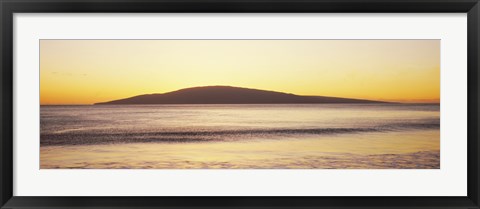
90, 71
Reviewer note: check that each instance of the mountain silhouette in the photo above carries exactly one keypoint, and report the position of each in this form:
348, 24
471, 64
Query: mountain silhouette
229, 95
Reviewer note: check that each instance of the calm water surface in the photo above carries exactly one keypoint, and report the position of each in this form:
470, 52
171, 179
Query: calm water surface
240, 136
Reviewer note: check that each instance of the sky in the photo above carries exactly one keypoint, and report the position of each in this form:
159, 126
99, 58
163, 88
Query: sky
91, 71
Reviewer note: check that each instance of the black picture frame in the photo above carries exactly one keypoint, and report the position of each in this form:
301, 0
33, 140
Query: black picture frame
9, 7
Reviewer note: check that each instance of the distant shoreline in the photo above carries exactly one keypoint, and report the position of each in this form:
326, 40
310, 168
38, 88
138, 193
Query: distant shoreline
230, 95
398, 103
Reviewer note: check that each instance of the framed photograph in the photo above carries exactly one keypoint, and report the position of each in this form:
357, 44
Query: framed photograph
239, 104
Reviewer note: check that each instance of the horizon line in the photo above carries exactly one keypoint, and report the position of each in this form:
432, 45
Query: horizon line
387, 103
419, 101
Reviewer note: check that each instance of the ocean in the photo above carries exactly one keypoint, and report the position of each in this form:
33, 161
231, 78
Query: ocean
244, 136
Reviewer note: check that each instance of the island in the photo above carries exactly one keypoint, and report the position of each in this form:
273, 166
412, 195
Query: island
229, 95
